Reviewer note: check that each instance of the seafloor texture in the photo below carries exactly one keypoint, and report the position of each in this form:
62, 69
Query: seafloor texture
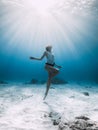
22, 107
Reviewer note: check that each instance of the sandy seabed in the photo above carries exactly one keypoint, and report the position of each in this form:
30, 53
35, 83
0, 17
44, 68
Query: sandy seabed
22, 106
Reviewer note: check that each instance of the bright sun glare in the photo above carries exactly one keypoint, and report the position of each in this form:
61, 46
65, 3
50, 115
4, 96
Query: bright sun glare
40, 6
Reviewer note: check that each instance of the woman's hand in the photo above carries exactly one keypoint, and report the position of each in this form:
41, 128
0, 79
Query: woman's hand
58, 66
32, 58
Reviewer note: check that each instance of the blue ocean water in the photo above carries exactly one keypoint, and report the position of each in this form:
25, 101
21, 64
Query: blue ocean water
75, 44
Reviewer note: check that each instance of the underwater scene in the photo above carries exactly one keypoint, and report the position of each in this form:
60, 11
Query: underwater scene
48, 65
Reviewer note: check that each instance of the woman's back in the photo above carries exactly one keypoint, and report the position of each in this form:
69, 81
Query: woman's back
50, 57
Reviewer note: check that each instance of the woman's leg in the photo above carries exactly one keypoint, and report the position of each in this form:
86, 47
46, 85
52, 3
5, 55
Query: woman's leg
48, 85
54, 72
51, 73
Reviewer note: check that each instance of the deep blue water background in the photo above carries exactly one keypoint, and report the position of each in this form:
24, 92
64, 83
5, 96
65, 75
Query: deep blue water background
15, 64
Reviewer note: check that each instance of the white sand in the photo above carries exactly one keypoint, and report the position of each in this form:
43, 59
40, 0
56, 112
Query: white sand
22, 107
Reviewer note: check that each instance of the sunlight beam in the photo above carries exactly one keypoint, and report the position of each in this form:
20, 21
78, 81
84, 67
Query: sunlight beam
59, 22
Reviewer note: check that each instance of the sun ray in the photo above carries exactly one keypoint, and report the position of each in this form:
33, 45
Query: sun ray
38, 22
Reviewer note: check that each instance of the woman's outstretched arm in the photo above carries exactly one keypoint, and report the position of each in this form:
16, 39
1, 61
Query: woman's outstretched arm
33, 58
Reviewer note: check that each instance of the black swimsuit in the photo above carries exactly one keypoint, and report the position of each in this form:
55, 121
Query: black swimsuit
50, 64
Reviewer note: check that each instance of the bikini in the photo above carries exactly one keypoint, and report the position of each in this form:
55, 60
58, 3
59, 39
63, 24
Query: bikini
50, 64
